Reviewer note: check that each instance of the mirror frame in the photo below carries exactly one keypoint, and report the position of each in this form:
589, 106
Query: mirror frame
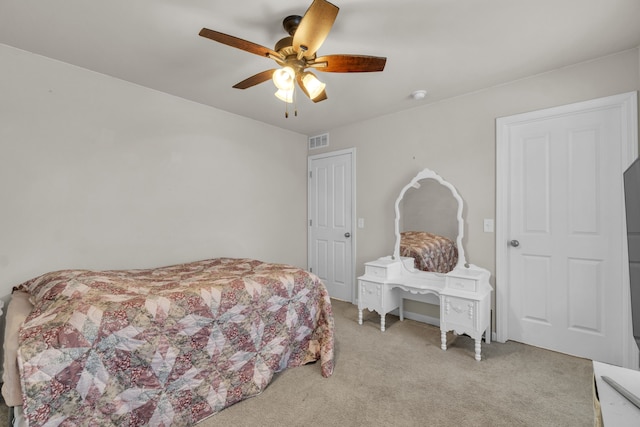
429, 174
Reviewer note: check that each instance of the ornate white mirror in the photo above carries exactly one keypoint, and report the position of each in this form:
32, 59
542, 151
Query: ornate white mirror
429, 225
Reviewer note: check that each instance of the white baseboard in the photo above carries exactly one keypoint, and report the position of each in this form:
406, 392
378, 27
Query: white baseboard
418, 317
427, 319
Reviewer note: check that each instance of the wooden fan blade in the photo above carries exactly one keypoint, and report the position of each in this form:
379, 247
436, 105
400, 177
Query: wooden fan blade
254, 80
314, 27
349, 63
239, 43
318, 98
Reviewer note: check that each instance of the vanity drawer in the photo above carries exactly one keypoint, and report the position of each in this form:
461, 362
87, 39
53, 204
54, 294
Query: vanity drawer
459, 311
370, 295
461, 283
375, 271
383, 268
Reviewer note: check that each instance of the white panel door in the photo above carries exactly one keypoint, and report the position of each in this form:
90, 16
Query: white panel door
330, 222
564, 232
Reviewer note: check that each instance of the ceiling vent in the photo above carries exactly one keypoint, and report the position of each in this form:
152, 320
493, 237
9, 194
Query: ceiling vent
318, 141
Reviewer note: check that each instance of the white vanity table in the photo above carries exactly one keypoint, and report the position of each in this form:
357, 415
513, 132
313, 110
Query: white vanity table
464, 293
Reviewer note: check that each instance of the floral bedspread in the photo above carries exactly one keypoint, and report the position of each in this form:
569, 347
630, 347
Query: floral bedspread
431, 252
166, 346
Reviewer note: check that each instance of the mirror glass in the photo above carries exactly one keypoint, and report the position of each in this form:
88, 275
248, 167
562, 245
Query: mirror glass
429, 224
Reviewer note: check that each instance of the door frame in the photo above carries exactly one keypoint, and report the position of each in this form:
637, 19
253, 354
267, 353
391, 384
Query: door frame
310, 159
628, 103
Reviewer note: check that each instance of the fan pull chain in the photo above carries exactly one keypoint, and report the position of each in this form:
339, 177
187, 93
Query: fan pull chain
295, 105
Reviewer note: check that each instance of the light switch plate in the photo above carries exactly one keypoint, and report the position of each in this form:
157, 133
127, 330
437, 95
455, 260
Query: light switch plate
488, 226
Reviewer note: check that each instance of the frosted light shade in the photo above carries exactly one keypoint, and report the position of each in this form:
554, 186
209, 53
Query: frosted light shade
285, 95
284, 78
312, 85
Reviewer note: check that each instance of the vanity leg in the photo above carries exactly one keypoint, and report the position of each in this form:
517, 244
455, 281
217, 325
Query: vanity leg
359, 316
382, 320
401, 309
478, 341
443, 339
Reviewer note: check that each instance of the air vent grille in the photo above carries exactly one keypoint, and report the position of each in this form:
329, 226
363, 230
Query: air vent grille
318, 141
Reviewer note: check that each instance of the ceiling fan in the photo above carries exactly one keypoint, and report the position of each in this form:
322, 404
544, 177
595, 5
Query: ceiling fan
297, 53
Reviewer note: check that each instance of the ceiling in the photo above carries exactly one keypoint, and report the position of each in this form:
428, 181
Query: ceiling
447, 47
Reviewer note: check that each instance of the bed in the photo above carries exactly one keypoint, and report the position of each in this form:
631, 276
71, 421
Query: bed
431, 252
165, 346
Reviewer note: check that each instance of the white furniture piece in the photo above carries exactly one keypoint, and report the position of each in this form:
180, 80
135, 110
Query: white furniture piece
374, 291
464, 294
611, 407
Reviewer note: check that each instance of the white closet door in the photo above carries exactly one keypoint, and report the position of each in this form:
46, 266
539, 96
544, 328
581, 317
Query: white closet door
565, 233
331, 222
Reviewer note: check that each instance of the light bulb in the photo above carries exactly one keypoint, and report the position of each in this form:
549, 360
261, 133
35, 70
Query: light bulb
285, 95
312, 85
284, 78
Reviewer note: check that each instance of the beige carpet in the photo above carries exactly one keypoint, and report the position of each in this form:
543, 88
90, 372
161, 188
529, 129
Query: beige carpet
401, 377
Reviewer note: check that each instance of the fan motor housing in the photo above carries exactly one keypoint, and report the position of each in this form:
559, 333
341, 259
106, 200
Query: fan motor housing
282, 45
290, 23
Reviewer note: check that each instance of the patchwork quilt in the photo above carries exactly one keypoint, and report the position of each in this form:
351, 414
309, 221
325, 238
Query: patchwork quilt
166, 346
431, 252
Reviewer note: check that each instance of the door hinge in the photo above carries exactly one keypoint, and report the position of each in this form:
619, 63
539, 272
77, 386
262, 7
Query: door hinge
310, 269
310, 223
310, 174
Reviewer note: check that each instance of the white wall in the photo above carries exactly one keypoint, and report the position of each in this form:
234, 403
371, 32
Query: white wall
99, 173
456, 138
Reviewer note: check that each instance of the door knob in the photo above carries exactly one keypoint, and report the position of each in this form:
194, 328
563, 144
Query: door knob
347, 234
514, 243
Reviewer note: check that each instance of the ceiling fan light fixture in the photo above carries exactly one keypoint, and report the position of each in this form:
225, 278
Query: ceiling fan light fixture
297, 52
312, 85
284, 78
285, 95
